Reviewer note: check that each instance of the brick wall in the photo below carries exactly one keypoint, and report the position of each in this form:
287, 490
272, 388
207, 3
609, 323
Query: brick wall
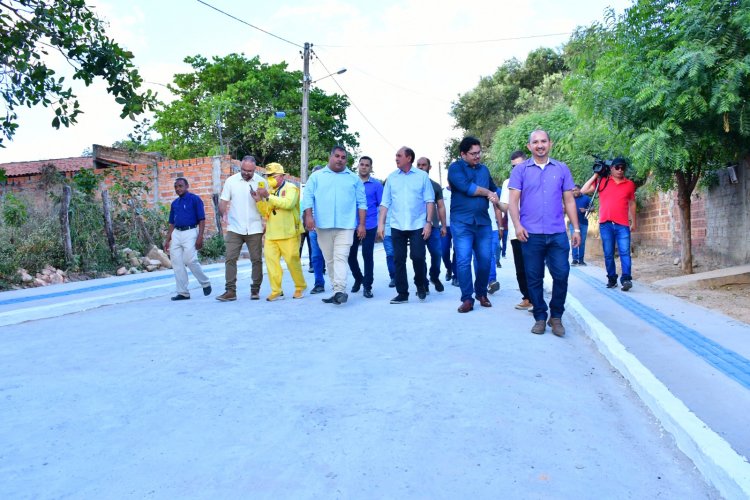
205, 175
720, 220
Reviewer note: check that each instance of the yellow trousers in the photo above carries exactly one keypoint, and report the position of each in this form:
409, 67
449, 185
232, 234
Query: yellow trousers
289, 250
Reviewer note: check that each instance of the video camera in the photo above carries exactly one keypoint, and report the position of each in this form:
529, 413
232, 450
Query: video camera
601, 167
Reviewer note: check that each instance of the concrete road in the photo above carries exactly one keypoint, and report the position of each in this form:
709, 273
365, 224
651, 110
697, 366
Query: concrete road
300, 399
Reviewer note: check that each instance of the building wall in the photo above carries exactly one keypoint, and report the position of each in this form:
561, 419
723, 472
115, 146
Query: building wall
206, 177
720, 220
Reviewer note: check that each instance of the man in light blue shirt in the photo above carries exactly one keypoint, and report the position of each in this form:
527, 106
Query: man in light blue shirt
334, 205
409, 199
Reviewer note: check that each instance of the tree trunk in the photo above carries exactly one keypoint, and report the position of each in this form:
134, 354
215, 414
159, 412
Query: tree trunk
65, 224
108, 224
217, 215
685, 185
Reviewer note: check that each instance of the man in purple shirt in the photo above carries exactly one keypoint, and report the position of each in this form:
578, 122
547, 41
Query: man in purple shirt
539, 188
373, 194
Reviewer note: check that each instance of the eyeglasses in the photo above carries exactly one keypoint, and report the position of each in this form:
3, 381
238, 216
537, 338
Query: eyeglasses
618, 167
474, 153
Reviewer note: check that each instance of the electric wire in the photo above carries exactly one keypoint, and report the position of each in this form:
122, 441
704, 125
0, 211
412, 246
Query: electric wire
353, 103
435, 44
248, 24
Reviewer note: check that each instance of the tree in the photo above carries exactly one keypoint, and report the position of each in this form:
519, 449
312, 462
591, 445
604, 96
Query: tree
227, 105
674, 77
34, 28
510, 91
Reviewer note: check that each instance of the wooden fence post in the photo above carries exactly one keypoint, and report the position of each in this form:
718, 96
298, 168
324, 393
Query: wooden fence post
108, 224
65, 224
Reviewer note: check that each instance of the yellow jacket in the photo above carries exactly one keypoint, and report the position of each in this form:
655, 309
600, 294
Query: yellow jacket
282, 212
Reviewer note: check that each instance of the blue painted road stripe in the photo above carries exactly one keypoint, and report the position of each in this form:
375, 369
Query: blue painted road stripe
730, 363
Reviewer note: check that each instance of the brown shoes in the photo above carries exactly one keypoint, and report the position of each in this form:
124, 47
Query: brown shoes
227, 296
466, 306
524, 305
539, 327
484, 301
557, 326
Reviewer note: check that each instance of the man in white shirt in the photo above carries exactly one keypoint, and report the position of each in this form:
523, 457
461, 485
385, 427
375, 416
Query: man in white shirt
244, 226
515, 158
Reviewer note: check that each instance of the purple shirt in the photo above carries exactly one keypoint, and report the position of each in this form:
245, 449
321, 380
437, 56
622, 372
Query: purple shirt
541, 195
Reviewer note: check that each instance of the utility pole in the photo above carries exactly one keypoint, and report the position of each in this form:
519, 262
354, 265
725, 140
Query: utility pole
218, 125
305, 98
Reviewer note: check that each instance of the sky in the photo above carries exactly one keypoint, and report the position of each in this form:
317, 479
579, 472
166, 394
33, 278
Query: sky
406, 61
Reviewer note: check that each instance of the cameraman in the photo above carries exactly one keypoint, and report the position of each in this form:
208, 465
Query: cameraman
616, 218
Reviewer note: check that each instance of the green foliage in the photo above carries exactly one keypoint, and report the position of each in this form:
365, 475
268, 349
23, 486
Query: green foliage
513, 89
213, 247
574, 141
241, 95
34, 28
15, 211
86, 181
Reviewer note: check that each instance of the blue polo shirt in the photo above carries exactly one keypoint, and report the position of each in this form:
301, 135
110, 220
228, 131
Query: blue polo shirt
187, 210
464, 181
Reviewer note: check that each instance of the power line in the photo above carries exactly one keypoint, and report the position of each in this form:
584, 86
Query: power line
354, 104
248, 24
432, 44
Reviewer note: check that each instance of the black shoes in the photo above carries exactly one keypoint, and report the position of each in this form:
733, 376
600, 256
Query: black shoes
367, 293
318, 289
421, 293
336, 298
392, 284
400, 299
612, 283
181, 297
627, 285
207, 290
438, 285
357, 286
454, 282
493, 287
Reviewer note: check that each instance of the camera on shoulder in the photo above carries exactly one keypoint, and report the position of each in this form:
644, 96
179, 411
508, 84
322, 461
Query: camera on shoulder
601, 167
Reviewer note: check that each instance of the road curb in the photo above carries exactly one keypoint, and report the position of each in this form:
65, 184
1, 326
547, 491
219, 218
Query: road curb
719, 464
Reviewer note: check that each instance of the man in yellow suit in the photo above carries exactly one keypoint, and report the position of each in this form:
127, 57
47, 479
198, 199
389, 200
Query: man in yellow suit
279, 205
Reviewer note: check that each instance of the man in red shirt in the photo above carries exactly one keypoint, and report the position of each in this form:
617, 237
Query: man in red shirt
616, 220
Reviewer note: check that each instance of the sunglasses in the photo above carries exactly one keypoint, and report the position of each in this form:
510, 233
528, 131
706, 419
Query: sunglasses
618, 167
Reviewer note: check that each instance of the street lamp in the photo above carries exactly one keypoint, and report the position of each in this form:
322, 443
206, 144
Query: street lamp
306, 82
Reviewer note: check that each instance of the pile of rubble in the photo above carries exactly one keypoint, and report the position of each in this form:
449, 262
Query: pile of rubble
48, 276
154, 260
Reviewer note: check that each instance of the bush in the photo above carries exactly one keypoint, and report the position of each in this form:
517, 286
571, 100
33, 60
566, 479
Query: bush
213, 247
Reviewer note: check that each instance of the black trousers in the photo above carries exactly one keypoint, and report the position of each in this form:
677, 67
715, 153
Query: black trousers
417, 252
520, 269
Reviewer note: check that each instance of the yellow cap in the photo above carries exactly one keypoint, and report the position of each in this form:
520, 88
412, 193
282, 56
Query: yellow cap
274, 168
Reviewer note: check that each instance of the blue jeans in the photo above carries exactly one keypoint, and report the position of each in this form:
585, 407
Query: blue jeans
445, 241
435, 247
414, 242
578, 253
495, 240
504, 243
388, 247
469, 239
368, 246
316, 259
612, 234
552, 249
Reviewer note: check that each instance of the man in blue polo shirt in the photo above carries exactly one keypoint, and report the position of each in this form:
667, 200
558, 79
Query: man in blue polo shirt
187, 220
539, 187
471, 190
373, 194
